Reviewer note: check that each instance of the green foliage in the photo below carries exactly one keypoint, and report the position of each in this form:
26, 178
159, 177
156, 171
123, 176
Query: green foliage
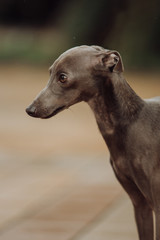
38, 47
131, 27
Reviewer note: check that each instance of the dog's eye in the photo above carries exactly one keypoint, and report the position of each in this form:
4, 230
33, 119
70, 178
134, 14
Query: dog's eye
62, 78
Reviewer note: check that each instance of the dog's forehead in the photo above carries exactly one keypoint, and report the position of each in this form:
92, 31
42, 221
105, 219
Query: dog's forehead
73, 56
78, 50
77, 54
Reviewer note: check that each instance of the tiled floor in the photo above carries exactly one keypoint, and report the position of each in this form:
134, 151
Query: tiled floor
63, 199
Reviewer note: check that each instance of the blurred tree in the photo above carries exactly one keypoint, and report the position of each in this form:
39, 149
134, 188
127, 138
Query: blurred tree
90, 22
132, 27
136, 34
28, 12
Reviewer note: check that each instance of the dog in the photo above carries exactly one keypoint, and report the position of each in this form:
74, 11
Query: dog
129, 125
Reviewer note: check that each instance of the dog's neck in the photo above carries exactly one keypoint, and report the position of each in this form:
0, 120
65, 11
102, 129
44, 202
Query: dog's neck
115, 105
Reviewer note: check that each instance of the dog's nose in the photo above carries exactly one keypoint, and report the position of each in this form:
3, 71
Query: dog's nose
31, 110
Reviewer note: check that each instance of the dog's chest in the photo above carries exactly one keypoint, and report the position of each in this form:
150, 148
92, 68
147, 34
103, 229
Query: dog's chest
120, 166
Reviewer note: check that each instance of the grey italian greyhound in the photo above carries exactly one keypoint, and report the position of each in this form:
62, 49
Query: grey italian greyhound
129, 125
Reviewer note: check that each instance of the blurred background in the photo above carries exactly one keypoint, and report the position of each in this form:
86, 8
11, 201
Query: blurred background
56, 180
38, 31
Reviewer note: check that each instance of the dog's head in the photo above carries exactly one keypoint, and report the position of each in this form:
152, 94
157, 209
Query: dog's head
73, 78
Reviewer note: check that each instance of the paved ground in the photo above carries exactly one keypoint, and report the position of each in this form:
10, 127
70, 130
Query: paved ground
55, 178
67, 198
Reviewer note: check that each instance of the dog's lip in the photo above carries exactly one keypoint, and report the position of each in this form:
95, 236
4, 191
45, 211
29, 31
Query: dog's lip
57, 110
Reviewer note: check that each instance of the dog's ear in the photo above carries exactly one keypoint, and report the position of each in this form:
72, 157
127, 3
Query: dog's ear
112, 61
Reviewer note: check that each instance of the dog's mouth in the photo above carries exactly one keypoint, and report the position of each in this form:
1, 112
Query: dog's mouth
55, 112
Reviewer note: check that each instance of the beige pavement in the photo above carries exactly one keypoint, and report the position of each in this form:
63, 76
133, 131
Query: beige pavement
55, 178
